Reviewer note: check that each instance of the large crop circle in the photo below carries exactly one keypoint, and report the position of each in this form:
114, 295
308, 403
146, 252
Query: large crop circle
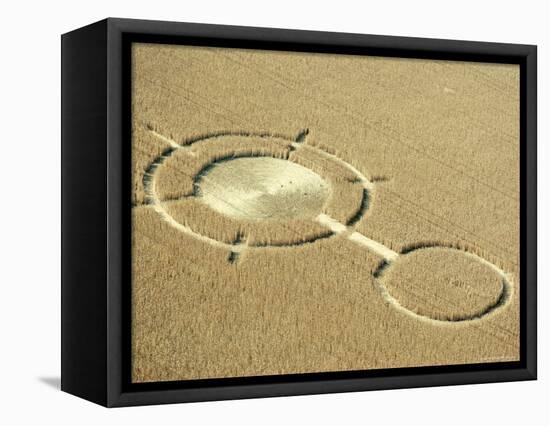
246, 191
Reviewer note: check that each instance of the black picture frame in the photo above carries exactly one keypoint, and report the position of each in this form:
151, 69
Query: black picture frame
96, 281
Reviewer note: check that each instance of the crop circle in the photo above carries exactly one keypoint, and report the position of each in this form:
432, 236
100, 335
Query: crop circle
248, 191
444, 284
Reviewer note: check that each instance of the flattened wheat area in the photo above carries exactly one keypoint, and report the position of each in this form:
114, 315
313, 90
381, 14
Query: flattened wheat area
306, 212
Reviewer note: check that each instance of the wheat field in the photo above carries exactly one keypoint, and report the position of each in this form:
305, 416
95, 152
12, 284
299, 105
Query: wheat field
233, 276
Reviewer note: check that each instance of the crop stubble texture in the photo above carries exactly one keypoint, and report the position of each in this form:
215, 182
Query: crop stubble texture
440, 141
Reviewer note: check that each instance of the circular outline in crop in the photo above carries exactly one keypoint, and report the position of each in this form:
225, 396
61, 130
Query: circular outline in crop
503, 299
294, 144
335, 227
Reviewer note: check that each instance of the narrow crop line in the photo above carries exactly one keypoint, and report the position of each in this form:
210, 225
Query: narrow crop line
356, 237
375, 246
173, 144
367, 184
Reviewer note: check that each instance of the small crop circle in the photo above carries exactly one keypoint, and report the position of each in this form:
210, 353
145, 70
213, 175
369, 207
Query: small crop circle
444, 284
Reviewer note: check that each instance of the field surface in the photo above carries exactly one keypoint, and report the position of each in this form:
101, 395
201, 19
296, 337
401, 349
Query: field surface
298, 213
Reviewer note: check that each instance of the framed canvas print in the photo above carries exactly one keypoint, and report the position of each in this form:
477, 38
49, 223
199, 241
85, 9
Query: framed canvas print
253, 212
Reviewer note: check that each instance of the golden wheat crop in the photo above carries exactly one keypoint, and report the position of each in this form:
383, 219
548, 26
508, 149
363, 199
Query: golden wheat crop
439, 140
